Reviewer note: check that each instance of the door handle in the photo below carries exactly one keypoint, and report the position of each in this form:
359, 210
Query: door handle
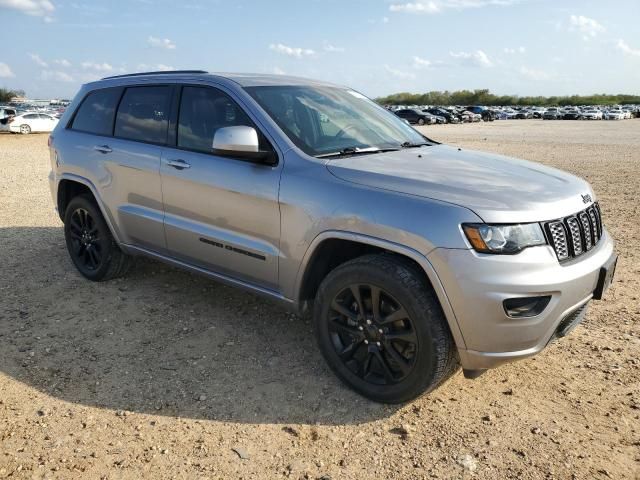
179, 164
103, 148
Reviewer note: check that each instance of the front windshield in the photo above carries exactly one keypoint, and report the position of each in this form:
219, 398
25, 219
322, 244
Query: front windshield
324, 120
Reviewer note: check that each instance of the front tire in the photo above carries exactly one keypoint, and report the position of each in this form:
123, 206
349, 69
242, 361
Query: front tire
421, 121
25, 129
381, 329
91, 246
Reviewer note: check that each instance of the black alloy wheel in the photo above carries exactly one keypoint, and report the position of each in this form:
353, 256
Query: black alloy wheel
372, 334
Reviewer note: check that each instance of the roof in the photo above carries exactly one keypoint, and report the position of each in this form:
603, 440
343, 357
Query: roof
242, 79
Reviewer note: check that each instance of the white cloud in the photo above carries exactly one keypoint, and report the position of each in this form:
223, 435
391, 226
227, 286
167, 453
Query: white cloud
625, 48
511, 51
587, 26
56, 76
5, 71
99, 67
161, 43
333, 49
385, 19
438, 6
291, 51
399, 73
474, 59
534, 74
63, 62
157, 67
39, 61
36, 8
421, 63
278, 71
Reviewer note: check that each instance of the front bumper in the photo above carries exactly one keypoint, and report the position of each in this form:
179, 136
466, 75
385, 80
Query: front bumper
477, 284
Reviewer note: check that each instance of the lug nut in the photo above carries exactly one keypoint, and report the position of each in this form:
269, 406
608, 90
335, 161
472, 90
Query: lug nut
368, 322
360, 328
366, 342
378, 344
380, 330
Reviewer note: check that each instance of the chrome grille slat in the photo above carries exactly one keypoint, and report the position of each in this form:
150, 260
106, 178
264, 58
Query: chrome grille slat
559, 239
586, 229
576, 238
576, 234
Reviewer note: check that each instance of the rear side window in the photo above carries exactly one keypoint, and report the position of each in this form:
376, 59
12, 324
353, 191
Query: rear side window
143, 114
202, 112
95, 115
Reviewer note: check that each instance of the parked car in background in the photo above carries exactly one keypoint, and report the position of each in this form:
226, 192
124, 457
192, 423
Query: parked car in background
614, 115
450, 117
552, 113
591, 114
523, 114
572, 115
416, 116
32, 122
5, 114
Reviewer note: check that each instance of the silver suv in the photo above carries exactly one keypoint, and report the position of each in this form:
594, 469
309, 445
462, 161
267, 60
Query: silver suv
414, 257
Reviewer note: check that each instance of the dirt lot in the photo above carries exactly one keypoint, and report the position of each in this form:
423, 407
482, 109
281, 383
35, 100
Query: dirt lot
163, 374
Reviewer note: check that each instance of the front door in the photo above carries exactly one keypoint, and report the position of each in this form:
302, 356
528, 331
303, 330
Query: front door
221, 213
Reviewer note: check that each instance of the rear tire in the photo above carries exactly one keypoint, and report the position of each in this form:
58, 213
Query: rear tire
91, 246
421, 121
391, 353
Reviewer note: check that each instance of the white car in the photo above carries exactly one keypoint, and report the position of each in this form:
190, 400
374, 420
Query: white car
32, 122
592, 114
614, 115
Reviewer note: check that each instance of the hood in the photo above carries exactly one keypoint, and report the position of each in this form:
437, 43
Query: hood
497, 188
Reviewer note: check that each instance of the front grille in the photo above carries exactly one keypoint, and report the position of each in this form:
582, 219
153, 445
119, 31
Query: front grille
576, 234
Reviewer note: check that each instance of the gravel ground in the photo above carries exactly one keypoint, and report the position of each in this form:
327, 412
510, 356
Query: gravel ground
164, 374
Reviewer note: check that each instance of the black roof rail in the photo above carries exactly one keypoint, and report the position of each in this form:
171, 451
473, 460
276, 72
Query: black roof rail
162, 72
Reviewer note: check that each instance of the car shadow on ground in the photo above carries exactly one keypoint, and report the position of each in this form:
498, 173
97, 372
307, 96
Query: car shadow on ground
160, 341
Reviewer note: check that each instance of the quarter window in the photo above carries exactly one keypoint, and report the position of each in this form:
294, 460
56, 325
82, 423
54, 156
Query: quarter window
143, 114
202, 112
95, 115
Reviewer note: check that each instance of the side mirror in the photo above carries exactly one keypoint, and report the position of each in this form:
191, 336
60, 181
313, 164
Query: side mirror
241, 142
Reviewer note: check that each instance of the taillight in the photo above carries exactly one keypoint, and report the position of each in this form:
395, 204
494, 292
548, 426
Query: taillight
50, 141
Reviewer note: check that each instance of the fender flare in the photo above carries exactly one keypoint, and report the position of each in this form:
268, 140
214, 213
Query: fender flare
416, 256
94, 191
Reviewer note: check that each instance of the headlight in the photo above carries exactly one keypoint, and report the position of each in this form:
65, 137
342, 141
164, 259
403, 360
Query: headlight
503, 238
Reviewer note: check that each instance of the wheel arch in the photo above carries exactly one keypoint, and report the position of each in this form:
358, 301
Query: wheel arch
70, 186
348, 245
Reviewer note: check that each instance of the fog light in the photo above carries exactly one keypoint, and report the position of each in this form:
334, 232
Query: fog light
523, 307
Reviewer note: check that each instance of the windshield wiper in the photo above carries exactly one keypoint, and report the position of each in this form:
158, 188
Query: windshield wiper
413, 145
356, 151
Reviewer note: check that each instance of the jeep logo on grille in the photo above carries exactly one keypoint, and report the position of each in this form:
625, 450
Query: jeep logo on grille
586, 198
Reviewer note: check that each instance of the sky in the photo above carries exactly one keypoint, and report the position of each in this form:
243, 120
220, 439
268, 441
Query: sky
522, 47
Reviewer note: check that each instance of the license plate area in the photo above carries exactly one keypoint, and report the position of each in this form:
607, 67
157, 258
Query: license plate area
607, 272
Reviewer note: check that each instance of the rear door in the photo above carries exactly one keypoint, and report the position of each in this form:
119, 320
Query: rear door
221, 213
115, 140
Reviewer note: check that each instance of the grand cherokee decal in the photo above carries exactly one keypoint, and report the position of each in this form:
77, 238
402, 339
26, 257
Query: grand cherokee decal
232, 249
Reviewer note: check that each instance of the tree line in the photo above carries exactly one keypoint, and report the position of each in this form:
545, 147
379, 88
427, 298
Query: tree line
6, 95
485, 97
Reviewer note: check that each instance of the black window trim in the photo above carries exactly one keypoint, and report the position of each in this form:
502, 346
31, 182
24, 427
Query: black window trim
174, 123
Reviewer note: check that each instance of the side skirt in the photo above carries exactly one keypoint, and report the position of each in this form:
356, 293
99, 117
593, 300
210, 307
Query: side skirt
219, 277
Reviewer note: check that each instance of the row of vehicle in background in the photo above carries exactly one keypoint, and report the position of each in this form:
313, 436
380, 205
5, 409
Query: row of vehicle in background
432, 115
429, 114
25, 122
